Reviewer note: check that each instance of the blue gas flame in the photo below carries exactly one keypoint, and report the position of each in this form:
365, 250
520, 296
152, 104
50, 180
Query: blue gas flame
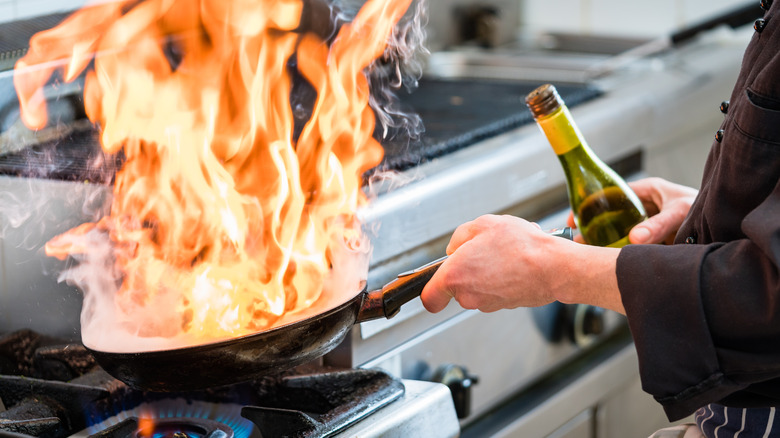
225, 413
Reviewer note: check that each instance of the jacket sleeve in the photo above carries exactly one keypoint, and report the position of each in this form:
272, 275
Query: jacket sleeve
706, 318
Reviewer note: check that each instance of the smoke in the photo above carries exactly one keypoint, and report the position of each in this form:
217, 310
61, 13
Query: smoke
34, 200
398, 71
33, 210
400, 68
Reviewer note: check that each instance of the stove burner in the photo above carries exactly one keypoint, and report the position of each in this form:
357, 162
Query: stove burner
185, 428
166, 428
323, 404
52, 389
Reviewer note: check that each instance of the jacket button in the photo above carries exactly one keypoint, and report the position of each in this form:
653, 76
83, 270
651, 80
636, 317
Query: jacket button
719, 135
690, 240
766, 4
724, 106
759, 25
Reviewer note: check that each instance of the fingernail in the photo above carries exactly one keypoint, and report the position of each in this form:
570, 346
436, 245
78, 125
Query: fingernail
640, 235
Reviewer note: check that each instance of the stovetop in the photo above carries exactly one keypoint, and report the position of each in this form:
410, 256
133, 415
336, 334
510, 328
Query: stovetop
53, 388
455, 115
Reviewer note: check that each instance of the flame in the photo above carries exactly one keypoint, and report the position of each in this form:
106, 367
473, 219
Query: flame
145, 426
218, 216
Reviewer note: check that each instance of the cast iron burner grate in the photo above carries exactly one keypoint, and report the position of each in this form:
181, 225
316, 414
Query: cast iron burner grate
53, 389
321, 405
76, 156
15, 36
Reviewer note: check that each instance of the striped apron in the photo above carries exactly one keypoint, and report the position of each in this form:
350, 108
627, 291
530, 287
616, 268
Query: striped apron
722, 422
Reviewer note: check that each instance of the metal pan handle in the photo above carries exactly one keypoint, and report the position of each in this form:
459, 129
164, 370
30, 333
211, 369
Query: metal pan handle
387, 302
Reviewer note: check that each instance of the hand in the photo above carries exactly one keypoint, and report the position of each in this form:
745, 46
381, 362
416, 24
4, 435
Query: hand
504, 262
667, 204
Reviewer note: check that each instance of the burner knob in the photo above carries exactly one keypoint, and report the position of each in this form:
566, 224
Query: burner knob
551, 320
586, 324
458, 379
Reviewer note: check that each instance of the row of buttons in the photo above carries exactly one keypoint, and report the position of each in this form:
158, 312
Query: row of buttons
759, 26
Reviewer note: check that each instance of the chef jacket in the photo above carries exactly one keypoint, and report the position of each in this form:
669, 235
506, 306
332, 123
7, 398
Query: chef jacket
705, 313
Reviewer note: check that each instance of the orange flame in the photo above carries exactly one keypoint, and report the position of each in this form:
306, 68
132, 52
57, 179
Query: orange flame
145, 426
217, 215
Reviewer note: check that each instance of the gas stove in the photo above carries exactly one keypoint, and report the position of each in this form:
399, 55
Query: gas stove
53, 388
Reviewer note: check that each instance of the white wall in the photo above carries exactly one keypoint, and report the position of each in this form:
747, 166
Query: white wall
615, 17
529, 18
640, 18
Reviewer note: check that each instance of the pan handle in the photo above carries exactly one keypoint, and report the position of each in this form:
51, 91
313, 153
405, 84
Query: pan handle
387, 302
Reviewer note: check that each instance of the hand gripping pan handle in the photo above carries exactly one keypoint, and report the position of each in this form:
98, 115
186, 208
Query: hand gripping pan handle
387, 301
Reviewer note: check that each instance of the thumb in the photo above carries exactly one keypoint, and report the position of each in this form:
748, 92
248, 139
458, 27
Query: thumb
654, 229
435, 296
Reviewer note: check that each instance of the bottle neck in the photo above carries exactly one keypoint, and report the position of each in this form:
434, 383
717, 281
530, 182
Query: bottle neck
561, 131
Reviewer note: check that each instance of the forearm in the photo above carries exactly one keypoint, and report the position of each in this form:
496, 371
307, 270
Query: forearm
589, 277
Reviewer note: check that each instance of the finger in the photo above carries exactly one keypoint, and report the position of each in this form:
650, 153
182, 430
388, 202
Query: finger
644, 188
463, 234
648, 192
435, 297
656, 228
570, 220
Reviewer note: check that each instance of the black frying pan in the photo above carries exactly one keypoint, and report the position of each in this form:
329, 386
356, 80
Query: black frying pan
268, 352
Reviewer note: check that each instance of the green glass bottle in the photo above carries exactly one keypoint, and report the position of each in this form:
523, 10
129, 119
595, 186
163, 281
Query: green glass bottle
605, 208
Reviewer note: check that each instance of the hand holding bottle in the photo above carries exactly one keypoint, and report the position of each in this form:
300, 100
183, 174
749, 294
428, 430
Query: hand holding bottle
667, 205
605, 208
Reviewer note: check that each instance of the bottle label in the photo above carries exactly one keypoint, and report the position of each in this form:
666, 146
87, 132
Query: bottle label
561, 132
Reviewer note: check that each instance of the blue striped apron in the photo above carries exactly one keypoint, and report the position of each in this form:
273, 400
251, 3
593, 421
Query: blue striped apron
717, 421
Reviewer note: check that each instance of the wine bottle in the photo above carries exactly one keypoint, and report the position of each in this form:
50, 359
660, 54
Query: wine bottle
605, 208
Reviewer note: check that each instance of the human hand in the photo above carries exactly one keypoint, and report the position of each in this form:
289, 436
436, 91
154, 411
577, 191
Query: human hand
667, 204
504, 262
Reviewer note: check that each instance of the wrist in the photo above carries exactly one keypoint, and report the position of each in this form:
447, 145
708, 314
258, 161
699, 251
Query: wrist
589, 277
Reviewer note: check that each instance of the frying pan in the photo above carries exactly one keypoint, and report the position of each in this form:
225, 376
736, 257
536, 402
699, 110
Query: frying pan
267, 352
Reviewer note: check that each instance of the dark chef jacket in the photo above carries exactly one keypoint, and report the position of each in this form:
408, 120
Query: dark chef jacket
705, 312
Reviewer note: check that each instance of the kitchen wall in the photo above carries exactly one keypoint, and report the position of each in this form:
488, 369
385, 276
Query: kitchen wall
645, 18
636, 18
526, 19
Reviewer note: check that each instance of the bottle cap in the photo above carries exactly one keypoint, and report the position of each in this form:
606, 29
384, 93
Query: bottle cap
544, 100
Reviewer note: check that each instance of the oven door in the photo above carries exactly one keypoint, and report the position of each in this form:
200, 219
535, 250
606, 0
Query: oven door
597, 395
